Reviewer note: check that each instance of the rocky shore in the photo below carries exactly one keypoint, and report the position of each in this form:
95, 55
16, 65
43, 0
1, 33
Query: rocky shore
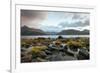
53, 50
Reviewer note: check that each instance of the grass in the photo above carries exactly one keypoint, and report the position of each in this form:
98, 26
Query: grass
37, 49
74, 43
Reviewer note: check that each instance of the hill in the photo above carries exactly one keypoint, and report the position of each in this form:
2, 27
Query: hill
31, 31
73, 32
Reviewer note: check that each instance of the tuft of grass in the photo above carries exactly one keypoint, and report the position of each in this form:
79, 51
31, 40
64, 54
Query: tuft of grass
37, 49
74, 43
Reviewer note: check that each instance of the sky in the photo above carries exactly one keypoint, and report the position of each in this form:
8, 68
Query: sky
54, 21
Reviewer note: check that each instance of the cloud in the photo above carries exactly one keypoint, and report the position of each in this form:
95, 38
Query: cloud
77, 28
32, 18
80, 15
51, 28
33, 14
54, 21
76, 20
75, 24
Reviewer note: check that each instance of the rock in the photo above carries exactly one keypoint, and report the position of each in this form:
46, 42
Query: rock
83, 54
26, 58
60, 37
26, 45
48, 52
34, 60
23, 49
41, 59
73, 51
53, 58
67, 57
22, 54
42, 54
68, 53
57, 56
66, 47
34, 55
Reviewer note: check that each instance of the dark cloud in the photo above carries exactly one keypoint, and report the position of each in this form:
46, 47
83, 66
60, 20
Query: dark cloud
32, 17
32, 13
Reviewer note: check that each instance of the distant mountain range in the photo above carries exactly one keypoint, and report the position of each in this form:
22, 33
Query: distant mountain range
32, 31
73, 32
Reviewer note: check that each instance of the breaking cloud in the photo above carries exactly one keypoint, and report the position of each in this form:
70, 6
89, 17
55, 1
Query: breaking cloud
76, 20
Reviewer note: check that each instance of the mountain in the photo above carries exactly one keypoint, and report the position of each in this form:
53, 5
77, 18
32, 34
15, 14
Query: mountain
25, 30
73, 32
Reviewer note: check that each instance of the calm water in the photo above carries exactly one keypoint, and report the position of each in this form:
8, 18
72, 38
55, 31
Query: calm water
55, 36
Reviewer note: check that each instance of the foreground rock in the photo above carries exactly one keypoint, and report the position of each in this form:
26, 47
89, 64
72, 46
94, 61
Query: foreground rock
53, 52
83, 54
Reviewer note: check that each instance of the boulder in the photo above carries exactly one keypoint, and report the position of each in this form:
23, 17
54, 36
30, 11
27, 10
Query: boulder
42, 54
83, 54
48, 52
26, 58
41, 59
